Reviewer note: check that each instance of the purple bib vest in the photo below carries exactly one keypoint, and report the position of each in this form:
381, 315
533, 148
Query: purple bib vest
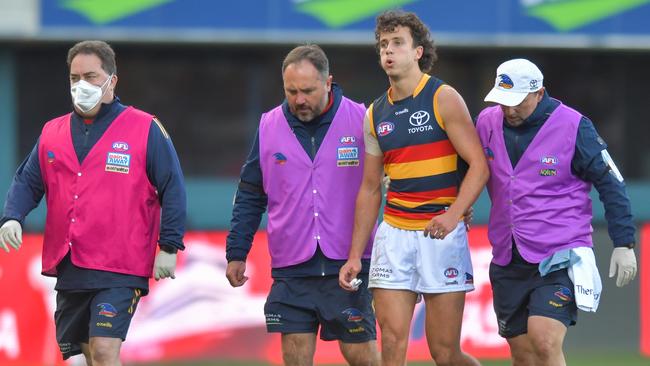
539, 203
312, 203
105, 210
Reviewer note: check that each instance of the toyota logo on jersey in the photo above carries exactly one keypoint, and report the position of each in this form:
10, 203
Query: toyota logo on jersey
419, 118
419, 122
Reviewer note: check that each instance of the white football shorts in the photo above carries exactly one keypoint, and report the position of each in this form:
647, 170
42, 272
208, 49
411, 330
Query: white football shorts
406, 260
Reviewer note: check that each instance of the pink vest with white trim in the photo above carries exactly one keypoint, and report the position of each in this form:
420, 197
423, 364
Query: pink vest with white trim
105, 211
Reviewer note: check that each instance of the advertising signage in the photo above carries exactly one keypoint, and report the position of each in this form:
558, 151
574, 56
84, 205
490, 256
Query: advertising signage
589, 23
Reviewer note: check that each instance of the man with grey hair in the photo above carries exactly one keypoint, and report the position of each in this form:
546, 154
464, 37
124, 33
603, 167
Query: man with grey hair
306, 166
107, 171
544, 157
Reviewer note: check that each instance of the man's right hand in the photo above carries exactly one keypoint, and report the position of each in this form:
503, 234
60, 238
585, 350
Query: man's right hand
11, 233
235, 273
348, 272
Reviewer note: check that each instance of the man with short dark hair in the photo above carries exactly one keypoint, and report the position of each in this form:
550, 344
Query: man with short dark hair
107, 171
306, 166
543, 158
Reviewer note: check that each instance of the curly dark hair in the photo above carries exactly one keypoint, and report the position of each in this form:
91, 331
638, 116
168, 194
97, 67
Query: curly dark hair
389, 20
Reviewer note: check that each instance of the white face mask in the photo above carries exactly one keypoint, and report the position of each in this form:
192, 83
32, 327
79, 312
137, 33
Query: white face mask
86, 95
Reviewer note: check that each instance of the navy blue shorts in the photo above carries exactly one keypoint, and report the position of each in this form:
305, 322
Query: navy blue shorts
519, 291
303, 304
97, 313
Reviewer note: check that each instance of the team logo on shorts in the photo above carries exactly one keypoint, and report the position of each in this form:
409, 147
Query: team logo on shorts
107, 310
563, 294
354, 315
451, 272
50, 157
469, 278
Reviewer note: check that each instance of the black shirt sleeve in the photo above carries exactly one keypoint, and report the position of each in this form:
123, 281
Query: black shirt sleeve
590, 165
249, 206
164, 173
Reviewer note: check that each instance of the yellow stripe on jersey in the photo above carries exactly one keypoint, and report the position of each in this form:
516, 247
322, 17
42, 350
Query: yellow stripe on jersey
421, 84
418, 88
405, 224
160, 126
370, 120
436, 110
422, 168
411, 204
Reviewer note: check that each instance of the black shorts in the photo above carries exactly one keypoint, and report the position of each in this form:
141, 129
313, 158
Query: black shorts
519, 291
99, 313
302, 304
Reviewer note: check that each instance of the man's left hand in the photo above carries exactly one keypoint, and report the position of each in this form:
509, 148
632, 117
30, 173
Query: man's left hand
440, 226
623, 265
165, 265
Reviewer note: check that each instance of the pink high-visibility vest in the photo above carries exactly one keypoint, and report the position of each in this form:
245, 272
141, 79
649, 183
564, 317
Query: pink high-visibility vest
105, 211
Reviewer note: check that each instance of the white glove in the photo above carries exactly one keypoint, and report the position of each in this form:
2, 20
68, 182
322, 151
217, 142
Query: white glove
11, 233
623, 262
165, 265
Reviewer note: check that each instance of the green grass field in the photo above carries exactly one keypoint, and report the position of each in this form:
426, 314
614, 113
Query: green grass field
610, 359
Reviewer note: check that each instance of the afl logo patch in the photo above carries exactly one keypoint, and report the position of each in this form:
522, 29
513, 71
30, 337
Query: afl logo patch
548, 160
385, 128
451, 272
120, 146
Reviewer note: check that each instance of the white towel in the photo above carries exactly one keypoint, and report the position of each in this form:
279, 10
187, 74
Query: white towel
586, 279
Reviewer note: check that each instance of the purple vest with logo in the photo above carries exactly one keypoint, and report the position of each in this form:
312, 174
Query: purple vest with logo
539, 203
312, 203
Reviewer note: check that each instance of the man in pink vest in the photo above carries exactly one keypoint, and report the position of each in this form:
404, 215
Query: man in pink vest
306, 166
106, 170
543, 158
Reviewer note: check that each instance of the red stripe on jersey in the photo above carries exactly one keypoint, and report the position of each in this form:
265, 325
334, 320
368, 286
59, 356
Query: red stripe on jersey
423, 196
410, 215
419, 152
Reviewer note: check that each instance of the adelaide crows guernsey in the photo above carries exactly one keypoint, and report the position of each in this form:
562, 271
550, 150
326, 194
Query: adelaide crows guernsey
417, 155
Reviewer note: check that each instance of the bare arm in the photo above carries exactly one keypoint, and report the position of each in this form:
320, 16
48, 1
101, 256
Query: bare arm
463, 136
367, 205
365, 217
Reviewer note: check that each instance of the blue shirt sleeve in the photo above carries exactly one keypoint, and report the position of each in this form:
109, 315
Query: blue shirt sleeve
164, 173
26, 189
249, 206
589, 165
